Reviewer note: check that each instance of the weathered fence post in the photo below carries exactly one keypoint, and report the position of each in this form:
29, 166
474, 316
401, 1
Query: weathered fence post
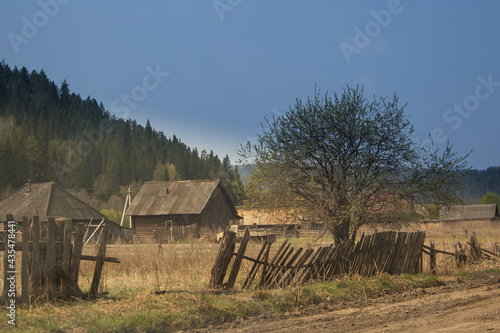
77, 251
432, 257
475, 250
223, 258
94, 288
460, 256
66, 259
50, 259
25, 260
36, 269
237, 260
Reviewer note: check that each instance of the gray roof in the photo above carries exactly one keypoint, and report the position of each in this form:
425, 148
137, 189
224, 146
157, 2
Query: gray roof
469, 212
47, 199
176, 197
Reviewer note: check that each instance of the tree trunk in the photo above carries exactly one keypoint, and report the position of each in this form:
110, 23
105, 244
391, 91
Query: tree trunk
340, 231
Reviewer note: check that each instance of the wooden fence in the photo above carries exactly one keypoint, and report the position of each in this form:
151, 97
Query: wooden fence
50, 260
471, 252
174, 234
391, 252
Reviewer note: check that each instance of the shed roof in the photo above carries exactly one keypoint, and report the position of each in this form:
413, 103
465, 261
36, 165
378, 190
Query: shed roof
469, 212
176, 197
47, 199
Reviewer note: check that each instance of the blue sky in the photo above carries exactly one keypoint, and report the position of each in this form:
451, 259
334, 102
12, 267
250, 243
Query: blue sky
222, 65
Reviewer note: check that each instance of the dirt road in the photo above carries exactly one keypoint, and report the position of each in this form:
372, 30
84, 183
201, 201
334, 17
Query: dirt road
455, 308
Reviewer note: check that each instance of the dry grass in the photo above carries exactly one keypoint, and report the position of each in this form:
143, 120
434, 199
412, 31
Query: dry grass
152, 267
183, 271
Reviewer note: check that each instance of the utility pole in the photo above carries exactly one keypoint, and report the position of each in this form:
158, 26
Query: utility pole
127, 204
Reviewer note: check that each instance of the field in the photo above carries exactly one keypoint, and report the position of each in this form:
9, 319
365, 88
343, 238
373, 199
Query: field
157, 289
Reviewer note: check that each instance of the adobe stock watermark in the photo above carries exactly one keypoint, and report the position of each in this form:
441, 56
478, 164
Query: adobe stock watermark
460, 111
10, 247
223, 6
120, 107
30, 26
363, 37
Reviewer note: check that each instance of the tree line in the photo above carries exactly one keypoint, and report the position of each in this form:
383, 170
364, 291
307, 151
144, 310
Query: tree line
48, 133
480, 182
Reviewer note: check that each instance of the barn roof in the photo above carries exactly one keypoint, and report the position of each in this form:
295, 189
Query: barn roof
47, 199
176, 197
469, 212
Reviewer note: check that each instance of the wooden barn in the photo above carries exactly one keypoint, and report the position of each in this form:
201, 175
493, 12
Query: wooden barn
165, 204
50, 199
469, 212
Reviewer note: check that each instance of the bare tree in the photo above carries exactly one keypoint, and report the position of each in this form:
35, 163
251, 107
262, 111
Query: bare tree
345, 161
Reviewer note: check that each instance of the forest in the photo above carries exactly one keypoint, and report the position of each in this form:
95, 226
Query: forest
480, 182
48, 133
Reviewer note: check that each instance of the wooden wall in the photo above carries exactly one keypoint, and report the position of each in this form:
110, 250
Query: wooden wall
216, 215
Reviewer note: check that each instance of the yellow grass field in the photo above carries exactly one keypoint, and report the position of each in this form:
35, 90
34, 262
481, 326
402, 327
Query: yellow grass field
182, 271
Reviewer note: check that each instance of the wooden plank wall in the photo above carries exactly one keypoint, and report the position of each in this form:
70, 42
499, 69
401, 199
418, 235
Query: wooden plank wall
50, 261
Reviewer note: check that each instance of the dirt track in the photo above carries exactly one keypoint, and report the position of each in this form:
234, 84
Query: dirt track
455, 307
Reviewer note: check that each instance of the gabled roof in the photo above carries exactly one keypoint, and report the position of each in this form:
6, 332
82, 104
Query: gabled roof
469, 212
47, 199
176, 197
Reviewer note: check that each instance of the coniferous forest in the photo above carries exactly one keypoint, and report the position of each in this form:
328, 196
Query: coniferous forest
48, 133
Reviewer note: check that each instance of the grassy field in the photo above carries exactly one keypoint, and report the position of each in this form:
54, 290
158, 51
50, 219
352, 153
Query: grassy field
182, 271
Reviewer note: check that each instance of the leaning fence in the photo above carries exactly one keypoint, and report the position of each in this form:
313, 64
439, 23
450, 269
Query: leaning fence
391, 252
50, 260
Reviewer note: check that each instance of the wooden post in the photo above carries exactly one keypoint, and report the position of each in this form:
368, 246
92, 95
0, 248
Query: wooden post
432, 258
223, 258
50, 259
127, 202
87, 231
25, 260
475, 250
94, 232
77, 252
36, 270
237, 260
94, 288
66, 259
460, 257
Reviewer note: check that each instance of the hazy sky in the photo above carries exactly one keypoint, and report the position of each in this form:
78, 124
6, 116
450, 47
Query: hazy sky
209, 71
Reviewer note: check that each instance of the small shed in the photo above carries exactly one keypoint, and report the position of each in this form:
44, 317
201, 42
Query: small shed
469, 212
50, 199
205, 203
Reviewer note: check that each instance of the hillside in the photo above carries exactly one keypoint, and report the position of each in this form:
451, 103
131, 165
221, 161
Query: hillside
480, 182
48, 133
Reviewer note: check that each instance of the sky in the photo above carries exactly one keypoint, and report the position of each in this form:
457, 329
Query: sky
210, 71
